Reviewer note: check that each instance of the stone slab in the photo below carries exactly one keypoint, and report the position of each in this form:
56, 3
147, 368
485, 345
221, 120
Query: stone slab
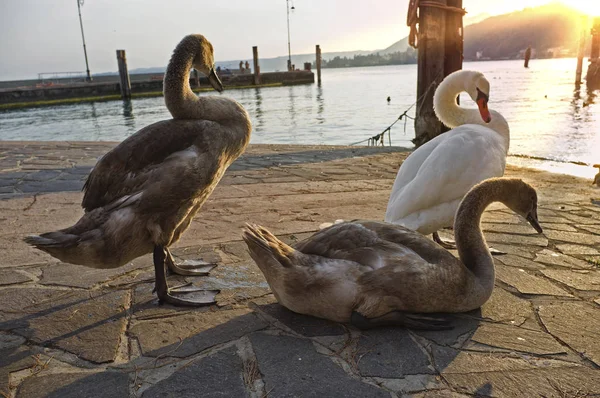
551, 257
519, 262
575, 323
185, 335
76, 385
218, 375
13, 359
533, 240
87, 324
512, 338
391, 353
581, 280
292, 368
557, 382
526, 283
12, 277
61, 274
411, 384
305, 325
448, 360
573, 237
576, 249
521, 228
506, 308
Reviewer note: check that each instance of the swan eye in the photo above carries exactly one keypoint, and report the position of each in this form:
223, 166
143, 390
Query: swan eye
482, 95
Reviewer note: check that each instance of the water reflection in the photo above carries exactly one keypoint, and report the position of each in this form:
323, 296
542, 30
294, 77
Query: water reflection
258, 112
292, 108
128, 117
320, 105
94, 114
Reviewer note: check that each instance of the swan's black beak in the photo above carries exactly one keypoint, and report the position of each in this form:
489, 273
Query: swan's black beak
482, 104
214, 80
532, 218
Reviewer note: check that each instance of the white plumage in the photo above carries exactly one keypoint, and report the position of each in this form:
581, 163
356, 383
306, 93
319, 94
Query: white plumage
434, 178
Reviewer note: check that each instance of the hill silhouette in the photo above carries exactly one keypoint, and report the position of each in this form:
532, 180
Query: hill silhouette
554, 27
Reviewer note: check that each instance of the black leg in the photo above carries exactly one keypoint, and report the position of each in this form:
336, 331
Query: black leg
166, 295
404, 319
448, 245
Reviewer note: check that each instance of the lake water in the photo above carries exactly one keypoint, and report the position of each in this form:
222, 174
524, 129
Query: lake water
548, 118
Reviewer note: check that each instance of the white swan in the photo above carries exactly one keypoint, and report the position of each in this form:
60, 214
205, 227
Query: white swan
143, 194
435, 177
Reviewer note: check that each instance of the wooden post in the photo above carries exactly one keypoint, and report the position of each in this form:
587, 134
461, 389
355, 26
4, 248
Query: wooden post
580, 53
318, 64
453, 48
527, 57
454, 39
256, 66
196, 79
431, 64
593, 72
124, 75
595, 40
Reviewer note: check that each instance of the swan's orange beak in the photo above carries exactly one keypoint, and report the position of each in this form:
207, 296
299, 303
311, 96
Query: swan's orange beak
483, 110
482, 104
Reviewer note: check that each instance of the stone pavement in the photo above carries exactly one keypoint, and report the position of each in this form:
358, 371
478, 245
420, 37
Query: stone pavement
69, 331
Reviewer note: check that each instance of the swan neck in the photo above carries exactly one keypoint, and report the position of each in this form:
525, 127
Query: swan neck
470, 243
445, 103
183, 103
452, 115
179, 97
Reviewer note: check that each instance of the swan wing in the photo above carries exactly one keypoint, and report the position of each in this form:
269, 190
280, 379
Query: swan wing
373, 244
148, 158
467, 156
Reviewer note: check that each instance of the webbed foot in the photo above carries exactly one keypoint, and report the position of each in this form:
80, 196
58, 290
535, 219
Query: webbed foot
404, 319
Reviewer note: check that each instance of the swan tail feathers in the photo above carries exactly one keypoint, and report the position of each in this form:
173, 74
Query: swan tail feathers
52, 240
263, 245
60, 245
72, 248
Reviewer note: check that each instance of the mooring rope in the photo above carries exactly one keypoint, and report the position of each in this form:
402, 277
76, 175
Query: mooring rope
378, 138
412, 17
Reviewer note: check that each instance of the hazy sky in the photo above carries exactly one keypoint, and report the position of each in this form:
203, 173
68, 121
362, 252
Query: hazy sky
44, 35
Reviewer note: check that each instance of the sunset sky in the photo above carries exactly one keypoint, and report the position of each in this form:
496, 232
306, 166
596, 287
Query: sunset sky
44, 36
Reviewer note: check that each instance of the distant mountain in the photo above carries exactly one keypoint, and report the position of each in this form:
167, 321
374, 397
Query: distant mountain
399, 46
402, 45
552, 30
280, 63
266, 64
475, 19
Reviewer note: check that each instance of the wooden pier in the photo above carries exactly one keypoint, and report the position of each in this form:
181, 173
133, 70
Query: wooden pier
148, 85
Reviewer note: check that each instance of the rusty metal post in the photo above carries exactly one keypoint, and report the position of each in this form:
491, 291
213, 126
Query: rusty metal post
430, 66
318, 64
256, 66
125, 83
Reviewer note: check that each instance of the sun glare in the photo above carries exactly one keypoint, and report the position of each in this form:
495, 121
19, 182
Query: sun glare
590, 7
